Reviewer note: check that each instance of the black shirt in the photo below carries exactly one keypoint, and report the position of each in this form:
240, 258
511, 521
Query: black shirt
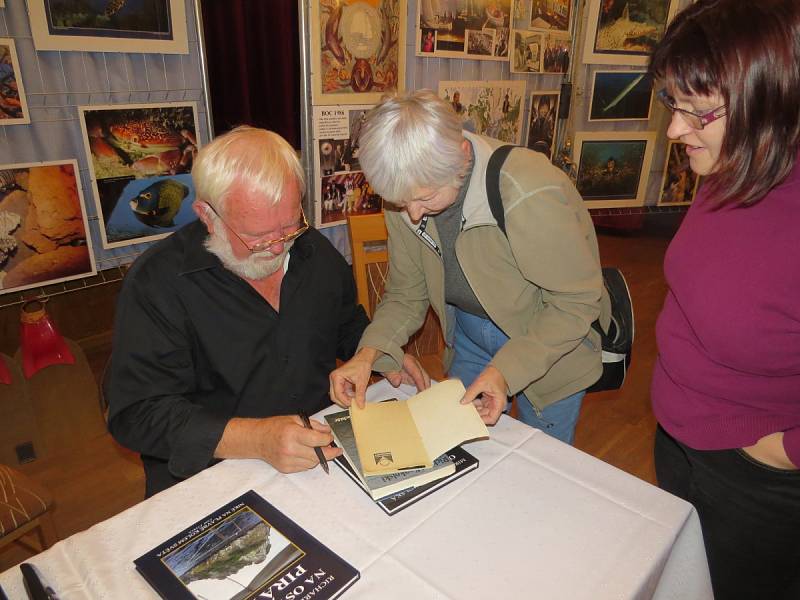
195, 345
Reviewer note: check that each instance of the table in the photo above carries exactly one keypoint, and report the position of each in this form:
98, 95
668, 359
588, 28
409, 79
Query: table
538, 519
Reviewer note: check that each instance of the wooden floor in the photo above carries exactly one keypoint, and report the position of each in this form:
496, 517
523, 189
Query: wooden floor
99, 479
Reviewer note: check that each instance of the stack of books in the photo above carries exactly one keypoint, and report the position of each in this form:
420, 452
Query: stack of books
395, 491
402, 443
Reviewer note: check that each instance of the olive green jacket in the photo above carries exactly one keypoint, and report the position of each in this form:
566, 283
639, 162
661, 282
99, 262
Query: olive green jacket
541, 283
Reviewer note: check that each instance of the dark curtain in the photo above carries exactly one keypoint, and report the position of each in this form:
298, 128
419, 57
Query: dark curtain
253, 51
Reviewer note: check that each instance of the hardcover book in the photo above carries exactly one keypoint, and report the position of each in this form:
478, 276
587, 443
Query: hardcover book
463, 461
378, 486
246, 549
403, 434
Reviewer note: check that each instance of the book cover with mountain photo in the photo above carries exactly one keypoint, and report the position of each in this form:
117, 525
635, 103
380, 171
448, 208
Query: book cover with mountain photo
246, 549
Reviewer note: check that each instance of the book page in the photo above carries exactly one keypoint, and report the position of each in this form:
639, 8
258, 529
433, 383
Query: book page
387, 438
442, 421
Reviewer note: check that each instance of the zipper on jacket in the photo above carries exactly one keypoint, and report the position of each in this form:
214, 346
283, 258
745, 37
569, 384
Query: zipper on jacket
426, 237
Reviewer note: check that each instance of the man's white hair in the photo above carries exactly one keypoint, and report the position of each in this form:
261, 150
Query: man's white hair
411, 140
262, 160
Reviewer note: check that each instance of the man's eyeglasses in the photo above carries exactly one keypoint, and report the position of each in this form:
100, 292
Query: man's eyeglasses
694, 120
267, 244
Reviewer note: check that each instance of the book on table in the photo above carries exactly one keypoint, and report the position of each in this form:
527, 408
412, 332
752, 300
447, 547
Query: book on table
398, 435
379, 486
245, 549
463, 461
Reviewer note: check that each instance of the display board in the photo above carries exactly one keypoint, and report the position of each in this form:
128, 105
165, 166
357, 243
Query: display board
61, 85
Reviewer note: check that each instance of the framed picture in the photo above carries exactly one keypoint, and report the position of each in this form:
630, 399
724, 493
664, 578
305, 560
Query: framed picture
341, 189
43, 228
357, 50
13, 104
680, 183
462, 28
526, 51
491, 108
621, 96
140, 158
542, 122
625, 32
556, 53
613, 167
551, 15
155, 26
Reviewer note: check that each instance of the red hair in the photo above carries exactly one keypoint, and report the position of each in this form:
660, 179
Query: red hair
749, 53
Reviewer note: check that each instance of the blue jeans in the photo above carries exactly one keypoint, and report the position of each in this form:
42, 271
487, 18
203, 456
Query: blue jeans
477, 340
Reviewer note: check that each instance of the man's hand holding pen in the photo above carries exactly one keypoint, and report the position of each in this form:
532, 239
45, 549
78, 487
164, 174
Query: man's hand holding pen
285, 442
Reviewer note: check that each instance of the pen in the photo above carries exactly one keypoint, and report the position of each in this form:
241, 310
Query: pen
33, 585
317, 449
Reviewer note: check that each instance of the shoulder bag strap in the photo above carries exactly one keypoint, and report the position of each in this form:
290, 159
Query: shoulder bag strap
496, 161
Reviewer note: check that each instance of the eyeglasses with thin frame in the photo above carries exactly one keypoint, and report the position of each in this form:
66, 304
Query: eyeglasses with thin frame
267, 244
694, 120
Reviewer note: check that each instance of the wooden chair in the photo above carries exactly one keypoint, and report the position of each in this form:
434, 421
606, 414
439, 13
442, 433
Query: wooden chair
370, 255
24, 507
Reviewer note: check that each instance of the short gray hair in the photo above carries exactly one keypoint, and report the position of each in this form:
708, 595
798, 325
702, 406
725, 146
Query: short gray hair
411, 140
260, 159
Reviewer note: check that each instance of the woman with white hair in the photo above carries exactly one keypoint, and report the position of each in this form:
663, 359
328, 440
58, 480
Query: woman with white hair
517, 307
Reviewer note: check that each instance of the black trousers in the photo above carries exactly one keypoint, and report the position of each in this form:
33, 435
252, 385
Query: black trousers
749, 513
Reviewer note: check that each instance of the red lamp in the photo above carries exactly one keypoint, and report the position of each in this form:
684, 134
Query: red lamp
41, 343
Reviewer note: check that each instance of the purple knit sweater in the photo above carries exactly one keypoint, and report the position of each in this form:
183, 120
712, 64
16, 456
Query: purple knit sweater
728, 370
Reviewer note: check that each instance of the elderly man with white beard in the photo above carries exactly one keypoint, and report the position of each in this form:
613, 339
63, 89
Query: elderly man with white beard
227, 330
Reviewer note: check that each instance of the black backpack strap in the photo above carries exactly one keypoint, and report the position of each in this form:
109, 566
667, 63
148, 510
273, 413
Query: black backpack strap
493, 184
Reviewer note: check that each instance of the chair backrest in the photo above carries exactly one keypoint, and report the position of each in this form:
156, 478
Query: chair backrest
370, 256
368, 237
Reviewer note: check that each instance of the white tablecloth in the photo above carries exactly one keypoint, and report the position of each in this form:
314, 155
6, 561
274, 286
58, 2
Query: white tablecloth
538, 519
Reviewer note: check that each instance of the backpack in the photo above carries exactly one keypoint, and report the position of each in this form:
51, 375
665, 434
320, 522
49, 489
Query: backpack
617, 342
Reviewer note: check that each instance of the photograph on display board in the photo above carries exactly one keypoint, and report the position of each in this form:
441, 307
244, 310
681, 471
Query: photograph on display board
551, 15
526, 51
140, 158
358, 50
542, 122
480, 42
621, 96
491, 108
156, 26
341, 187
556, 49
613, 167
625, 32
13, 104
679, 185
462, 28
43, 228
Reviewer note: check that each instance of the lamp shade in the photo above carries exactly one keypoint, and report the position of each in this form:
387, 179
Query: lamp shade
40, 341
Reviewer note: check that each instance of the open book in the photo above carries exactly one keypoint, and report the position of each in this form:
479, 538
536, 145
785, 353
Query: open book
398, 435
380, 486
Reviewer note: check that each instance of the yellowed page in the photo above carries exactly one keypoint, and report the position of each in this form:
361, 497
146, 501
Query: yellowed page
387, 438
441, 419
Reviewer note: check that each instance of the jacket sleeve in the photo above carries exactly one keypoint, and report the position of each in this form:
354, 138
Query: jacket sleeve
154, 405
552, 241
404, 303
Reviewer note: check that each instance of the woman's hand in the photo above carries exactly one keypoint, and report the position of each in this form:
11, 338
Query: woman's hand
492, 388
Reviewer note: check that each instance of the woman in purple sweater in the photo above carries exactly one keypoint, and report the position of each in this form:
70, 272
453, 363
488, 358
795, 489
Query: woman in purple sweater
726, 386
